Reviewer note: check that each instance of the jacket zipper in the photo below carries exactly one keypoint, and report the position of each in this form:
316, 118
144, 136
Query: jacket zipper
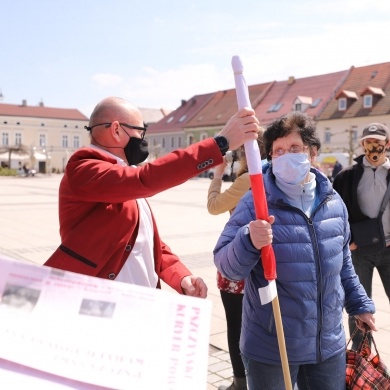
318, 273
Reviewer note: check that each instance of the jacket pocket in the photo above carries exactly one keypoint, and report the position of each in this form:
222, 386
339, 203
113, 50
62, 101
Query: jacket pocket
76, 256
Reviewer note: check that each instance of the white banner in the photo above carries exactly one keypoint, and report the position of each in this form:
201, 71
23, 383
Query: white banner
71, 331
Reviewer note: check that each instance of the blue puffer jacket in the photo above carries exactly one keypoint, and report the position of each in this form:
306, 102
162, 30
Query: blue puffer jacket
315, 275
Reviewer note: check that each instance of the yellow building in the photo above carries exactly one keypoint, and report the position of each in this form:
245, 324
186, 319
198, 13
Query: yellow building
39, 137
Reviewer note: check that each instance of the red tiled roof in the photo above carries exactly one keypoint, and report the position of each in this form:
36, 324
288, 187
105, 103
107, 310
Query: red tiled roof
223, 106
153, 115
283, 94
41, 112
305, 99
359, 81
178, 118
347, 94
372, 91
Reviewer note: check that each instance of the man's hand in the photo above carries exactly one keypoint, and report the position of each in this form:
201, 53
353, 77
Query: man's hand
194, 286
365, 319
241, 127
352, 246
261, 232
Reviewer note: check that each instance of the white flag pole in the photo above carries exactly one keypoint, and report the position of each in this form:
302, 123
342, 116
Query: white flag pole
252, 152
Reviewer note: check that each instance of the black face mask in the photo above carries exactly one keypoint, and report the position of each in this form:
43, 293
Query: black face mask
136, 150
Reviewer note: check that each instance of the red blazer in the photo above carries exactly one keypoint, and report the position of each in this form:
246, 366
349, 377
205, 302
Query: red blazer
99, 215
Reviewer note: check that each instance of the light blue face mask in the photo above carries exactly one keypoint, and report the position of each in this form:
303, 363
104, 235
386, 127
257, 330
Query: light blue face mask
291, 168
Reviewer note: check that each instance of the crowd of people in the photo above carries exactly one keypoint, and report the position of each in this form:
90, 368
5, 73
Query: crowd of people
108, 230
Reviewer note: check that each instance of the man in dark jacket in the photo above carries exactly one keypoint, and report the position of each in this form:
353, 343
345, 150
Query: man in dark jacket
362, 187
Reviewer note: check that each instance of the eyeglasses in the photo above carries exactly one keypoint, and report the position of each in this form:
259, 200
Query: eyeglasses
294, 149
142, 129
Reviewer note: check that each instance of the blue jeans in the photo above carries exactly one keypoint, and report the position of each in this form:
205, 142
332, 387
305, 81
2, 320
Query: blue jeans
364, 266
328, 375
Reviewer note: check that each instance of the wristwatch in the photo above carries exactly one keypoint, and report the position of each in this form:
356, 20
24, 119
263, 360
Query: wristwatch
222, 143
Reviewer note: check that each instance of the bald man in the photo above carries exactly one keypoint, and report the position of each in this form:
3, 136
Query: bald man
107, 227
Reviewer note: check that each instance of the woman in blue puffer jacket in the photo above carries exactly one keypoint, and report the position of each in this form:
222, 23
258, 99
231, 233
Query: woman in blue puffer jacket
315, 276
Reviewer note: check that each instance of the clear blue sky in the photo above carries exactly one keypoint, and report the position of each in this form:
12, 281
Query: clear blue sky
73, 53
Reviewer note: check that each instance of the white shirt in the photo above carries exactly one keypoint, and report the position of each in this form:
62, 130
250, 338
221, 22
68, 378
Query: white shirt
139, 266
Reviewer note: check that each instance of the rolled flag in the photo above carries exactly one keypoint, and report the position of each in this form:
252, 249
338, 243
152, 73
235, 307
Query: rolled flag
252, 153
268, 293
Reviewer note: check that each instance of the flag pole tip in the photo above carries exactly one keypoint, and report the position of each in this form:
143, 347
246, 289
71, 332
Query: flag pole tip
237, 64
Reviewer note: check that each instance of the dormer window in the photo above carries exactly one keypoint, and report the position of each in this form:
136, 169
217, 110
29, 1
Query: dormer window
346, 99
342, 104
367, 101
302, 103
371, 96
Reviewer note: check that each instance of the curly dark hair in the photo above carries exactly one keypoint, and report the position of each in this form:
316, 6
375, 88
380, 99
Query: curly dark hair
286, 124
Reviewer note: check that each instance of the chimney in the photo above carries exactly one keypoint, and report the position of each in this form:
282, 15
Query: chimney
41, 104
291, 80
24, 103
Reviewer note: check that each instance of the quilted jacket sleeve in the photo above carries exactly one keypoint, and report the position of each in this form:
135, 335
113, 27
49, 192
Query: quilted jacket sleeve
234, 255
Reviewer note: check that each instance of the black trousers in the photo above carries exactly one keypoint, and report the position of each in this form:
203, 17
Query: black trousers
233, 310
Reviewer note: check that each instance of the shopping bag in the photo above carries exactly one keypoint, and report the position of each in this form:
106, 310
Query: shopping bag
365, 370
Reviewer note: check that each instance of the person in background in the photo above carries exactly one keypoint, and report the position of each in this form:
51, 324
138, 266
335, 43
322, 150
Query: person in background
362, 187
309, 231
336, 169
107, 228
232, 291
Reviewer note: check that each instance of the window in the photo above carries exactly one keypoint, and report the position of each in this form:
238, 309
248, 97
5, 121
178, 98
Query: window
64, 141
355, 134
172, 142
298, 106
316, 103
183, 118
367, 101
275, 107
328, 136
203, 136
169, 120
18, 138
76, 141
163, 142
5, 139
342, 104
179, 142
272, 108
42, 139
